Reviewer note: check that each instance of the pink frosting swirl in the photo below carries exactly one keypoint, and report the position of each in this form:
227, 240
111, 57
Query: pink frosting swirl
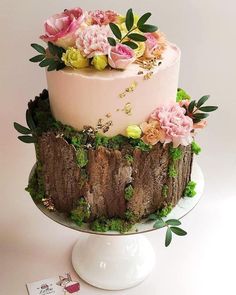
175, 123
60, 28
120, 56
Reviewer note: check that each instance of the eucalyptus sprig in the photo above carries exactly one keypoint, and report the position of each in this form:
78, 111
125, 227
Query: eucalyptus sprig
197, 111
51, 59
131, 27
28, 132
171, 224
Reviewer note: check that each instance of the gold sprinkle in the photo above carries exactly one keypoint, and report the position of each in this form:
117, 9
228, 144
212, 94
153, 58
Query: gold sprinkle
147, 64
108, 115
122, 95
117, 110
148, 76
140, 73
127, 109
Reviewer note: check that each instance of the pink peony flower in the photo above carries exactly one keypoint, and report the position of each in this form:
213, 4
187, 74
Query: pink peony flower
152, 132
60, 28
176, 125
92, 40
120, 56
155, 45
99, 17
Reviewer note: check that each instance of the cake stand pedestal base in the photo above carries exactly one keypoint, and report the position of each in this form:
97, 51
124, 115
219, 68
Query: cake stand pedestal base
113, 263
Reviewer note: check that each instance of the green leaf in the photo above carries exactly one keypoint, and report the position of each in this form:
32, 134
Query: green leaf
173, 222
116, 30
148, 28
52, 66
152, 217
52, 48
37, 58
129, 21
60, 66
202, 100
59, 51
38, 48
131, 44
137, 37
29, 120
159, 224
208, 109
178, 231
27, 139
111, 41
200, 116
168, 237
21, 129
143, 19
46, 62
191, 106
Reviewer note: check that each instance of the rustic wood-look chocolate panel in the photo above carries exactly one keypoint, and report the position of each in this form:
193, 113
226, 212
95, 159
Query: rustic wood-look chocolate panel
107, 176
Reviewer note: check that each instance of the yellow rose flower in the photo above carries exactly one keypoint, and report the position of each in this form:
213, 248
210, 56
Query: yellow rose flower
73, 58
100, 62
140, 50
134, 131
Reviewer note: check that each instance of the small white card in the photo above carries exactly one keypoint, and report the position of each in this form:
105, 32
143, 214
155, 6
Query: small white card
61, 285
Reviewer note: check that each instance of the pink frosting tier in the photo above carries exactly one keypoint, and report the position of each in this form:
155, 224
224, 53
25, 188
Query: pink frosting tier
83, 97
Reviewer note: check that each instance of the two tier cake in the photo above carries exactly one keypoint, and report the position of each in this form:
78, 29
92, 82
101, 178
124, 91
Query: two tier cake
114, 135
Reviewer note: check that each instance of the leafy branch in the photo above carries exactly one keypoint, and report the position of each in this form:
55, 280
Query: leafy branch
131, 27
172, 226
51, 59
197, 111
28, 133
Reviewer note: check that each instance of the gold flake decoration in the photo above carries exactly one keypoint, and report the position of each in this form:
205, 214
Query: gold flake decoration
148, 76
104, 126
117, 110
140, 73
129, 89
108, 115
147, 64
122, 95
127, 109
48, 203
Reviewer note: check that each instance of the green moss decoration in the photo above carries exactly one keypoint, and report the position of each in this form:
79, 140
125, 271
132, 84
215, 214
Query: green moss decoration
190, 189
82, 157
117, 142
129, 192
175, 153
172, 171
130, 216
115, 224
182, 95
139, 144
196, 149
129, 159
165, 211
81, 213
36, 185
101, 140
165, 190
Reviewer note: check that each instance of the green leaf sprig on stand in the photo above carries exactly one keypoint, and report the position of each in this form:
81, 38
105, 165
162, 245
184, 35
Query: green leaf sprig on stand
197, 111
131, 27
28, 133
171, 224
50, 58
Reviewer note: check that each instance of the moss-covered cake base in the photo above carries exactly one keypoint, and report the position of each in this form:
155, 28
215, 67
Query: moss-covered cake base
109, 182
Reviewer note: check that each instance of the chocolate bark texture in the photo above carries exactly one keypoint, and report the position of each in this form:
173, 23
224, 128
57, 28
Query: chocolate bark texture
110, 184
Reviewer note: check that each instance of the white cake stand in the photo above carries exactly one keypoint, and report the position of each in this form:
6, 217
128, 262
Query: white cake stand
115, 261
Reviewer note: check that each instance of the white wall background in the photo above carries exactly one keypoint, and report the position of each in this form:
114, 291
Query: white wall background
204, 262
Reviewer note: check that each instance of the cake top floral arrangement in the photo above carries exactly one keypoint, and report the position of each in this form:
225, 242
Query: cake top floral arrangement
102, 39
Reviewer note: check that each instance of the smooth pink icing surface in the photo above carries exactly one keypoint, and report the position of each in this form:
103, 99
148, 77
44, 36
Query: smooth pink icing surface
81, 97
